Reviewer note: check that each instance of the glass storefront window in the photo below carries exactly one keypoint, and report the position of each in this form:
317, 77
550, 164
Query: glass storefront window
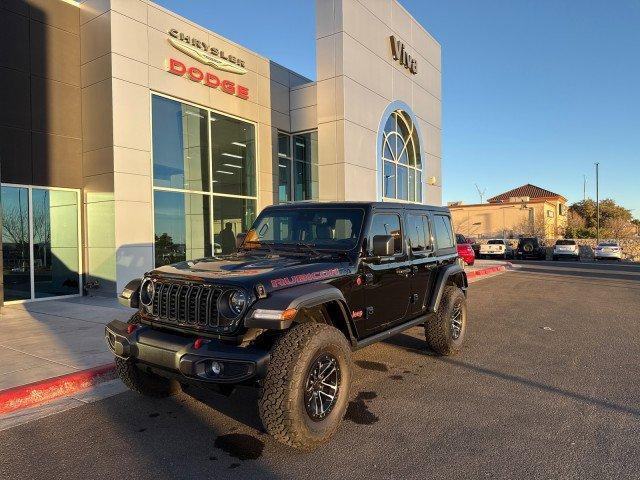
41, 254
233, 155
389, 179
182, 226
231, 216
402, 164
284, 167
180, 145
55, 242
305, 155
188, 143
16, 263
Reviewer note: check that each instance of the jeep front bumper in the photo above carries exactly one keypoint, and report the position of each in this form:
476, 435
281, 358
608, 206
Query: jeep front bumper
175, 355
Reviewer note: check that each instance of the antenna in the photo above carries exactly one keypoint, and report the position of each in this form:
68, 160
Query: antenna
584, 188
480, 192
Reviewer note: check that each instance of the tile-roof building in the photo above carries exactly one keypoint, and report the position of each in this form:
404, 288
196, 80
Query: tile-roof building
521, 211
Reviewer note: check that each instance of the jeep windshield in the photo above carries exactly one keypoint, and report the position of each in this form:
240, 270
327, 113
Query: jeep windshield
306, 229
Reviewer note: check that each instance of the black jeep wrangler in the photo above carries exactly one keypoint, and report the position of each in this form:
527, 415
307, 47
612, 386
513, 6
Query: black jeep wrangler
531, 247
309, 284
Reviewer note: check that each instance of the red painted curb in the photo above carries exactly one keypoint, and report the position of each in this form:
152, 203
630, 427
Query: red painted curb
32, 394
486, 271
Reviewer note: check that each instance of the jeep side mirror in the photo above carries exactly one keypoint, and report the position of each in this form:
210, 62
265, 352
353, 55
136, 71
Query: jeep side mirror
240, 239
383, 245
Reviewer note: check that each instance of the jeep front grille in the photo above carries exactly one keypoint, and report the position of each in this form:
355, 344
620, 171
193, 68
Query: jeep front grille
186, 304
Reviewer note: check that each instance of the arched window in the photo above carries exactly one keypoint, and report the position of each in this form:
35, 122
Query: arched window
401, 162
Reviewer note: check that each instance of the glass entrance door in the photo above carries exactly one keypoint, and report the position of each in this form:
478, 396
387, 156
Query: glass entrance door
40, 242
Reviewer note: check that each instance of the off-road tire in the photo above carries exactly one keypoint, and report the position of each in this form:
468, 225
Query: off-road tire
141, 382
281, 402
439, 330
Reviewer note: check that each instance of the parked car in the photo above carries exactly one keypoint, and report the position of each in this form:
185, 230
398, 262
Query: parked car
309, 285
496, 248
475, 245
531, 247
566, 249
465, 250
608, 250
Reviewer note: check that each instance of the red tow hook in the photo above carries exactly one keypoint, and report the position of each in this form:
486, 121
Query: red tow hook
199, 342
131, 328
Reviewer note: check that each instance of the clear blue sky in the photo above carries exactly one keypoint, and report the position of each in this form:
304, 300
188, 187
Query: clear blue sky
533, 91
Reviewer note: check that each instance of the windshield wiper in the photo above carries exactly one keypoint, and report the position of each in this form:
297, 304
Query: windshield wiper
308, 246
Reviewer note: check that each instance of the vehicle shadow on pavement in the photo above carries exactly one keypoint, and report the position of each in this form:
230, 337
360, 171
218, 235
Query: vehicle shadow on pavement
417, 345
240, 406
203, 433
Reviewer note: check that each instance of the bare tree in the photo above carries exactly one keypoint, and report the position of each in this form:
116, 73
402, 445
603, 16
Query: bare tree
618, 227
534, 225
15, 226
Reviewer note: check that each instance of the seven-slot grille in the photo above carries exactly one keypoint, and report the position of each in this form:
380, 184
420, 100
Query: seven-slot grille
186, 304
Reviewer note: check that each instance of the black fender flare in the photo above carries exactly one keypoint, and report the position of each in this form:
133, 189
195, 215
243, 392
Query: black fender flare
453, 272
130, 295
300, 297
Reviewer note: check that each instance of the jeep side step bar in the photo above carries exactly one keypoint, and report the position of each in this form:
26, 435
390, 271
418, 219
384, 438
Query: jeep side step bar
365, 342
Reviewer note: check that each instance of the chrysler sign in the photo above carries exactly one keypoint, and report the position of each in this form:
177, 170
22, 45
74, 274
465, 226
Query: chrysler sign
205, 53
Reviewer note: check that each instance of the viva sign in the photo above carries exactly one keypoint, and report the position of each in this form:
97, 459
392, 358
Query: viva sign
400, 54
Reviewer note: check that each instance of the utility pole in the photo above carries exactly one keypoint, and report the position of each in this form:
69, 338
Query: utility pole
597, 205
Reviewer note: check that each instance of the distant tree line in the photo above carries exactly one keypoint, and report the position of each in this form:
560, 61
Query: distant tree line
615, 221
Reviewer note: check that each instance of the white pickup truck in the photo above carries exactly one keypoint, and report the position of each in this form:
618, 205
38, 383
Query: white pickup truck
495, 247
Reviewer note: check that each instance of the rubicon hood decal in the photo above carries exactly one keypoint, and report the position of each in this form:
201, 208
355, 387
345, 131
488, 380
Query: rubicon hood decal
304, 277
207, 58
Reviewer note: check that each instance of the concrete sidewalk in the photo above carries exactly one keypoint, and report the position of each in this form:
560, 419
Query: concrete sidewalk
40, 340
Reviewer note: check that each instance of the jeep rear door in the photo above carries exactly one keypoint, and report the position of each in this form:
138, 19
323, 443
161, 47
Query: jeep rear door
387, 279
424, 263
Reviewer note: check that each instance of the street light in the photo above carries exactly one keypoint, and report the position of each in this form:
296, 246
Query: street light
597, 205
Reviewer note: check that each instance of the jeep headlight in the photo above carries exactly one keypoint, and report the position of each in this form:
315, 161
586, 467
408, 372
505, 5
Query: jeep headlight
237, 302
232, 304
147, 290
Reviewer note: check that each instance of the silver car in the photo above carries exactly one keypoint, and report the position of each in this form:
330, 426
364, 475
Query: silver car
605, 250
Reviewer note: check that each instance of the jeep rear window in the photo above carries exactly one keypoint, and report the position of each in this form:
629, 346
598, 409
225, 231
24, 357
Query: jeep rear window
322, 228
443, 231
495, 242
565, 242
418, 233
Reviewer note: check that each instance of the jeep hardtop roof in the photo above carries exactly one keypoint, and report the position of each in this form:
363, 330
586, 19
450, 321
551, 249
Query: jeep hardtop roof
365, 205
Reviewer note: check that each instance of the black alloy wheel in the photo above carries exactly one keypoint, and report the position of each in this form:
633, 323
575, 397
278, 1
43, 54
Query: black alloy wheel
322, 387
456, 320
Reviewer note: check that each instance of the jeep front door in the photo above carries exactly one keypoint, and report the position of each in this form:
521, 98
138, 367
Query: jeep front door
386, 279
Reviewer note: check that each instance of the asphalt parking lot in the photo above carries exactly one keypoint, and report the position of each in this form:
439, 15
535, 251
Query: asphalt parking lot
547, 387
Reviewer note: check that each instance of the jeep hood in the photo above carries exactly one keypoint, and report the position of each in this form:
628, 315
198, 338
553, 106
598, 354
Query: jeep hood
273, 271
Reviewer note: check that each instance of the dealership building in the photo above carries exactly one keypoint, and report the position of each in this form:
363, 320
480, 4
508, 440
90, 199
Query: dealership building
131, 137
